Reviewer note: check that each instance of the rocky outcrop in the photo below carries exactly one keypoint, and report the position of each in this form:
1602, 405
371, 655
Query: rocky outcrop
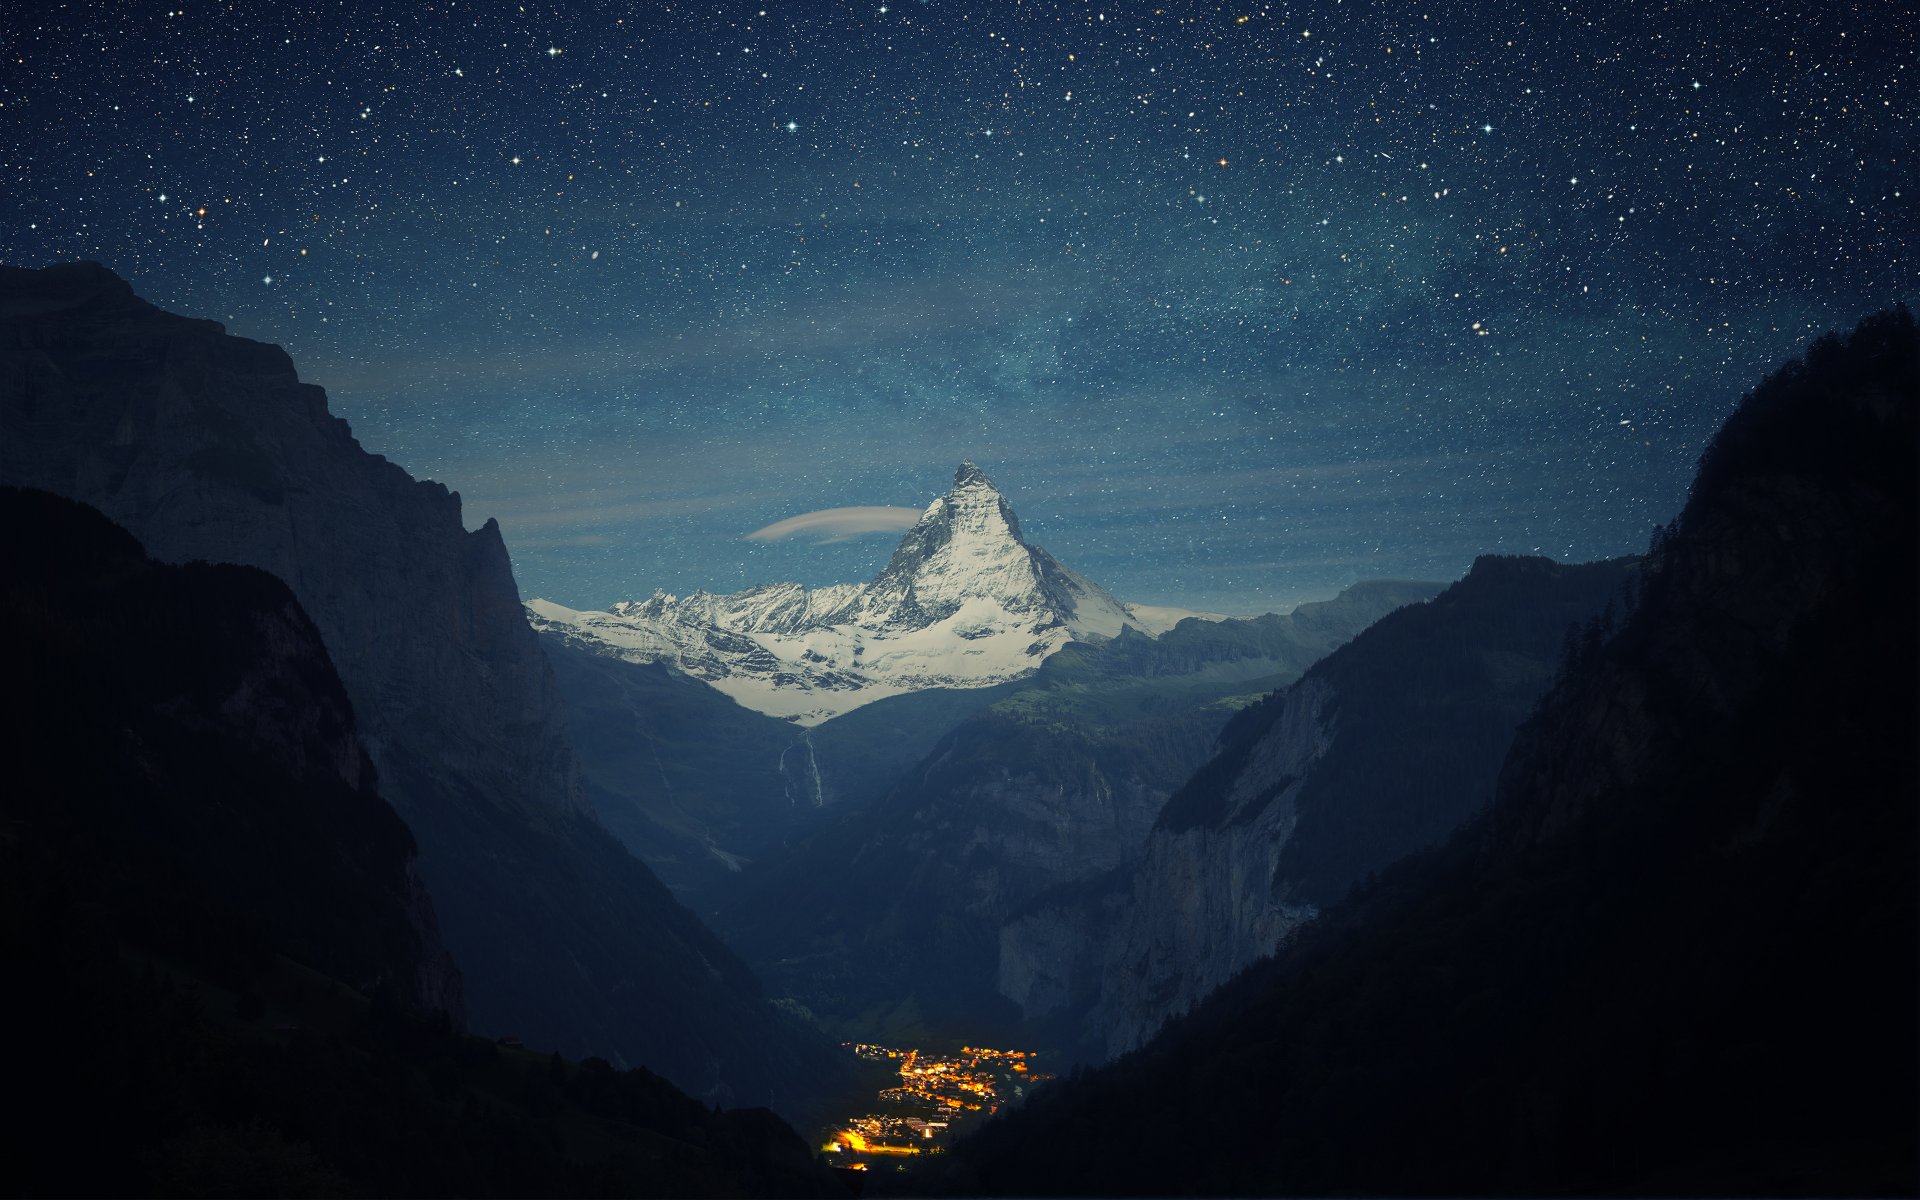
1789, 510
208, 446
1380, 750
1062, 947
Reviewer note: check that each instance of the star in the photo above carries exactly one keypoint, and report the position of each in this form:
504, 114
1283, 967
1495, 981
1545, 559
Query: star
1065, 202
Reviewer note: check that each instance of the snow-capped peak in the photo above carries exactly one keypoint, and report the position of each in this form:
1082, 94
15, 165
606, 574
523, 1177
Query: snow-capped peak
963, 602
967, 546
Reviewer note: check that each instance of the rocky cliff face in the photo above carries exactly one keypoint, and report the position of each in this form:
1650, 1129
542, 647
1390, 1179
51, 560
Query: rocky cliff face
209, 446
1382, 749
1200, 899
1789, 510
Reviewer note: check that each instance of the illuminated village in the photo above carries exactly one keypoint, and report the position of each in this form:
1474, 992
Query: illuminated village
935, 1095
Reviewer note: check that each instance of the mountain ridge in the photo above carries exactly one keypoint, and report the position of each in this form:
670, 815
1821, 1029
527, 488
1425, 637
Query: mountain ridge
963, 601
1673, 956
208, 446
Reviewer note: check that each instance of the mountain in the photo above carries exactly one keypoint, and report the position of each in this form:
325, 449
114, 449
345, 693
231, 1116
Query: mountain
669, 699
697, 787
207, 446
1675, 956
226, 977
178, 740
1382, 748
885, 922
964, 602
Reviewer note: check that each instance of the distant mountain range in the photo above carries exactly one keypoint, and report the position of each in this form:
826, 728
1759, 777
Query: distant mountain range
964, 602
976, 725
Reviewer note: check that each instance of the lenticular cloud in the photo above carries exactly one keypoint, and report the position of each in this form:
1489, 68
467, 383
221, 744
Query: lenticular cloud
839, 524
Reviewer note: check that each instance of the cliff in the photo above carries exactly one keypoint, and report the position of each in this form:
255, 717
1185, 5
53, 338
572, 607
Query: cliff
179, 747
207, 446
1383, 748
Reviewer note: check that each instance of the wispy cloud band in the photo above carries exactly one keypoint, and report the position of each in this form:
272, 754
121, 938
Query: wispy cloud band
830, 525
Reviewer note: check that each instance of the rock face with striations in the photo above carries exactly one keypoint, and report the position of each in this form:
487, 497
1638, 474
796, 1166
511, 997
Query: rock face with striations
1381, 749
207, 446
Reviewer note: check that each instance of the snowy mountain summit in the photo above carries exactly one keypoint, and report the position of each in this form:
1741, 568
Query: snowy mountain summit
964, 602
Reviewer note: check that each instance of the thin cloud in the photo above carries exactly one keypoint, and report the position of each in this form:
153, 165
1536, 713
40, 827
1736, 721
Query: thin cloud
831, 525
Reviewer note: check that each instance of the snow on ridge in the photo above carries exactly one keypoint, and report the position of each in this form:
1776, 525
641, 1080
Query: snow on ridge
963, 602
1156, 619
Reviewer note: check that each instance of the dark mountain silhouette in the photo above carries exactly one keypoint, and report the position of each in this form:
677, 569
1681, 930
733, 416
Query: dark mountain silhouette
177, 736
1676, 955
223, 975
207, 446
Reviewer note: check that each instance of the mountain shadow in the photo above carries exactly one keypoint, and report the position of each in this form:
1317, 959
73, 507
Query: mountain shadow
225, 977
1677, 953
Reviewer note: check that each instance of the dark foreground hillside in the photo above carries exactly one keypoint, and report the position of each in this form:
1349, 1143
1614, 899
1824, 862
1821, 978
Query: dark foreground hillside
224, 978
1676, 956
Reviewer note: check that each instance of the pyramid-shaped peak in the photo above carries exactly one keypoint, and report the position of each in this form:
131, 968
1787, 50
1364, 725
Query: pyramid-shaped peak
970, 474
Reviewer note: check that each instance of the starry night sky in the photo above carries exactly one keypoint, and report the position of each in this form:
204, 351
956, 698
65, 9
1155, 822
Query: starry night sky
1236, 304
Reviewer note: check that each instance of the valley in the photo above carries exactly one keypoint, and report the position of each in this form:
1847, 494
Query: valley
349, 870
